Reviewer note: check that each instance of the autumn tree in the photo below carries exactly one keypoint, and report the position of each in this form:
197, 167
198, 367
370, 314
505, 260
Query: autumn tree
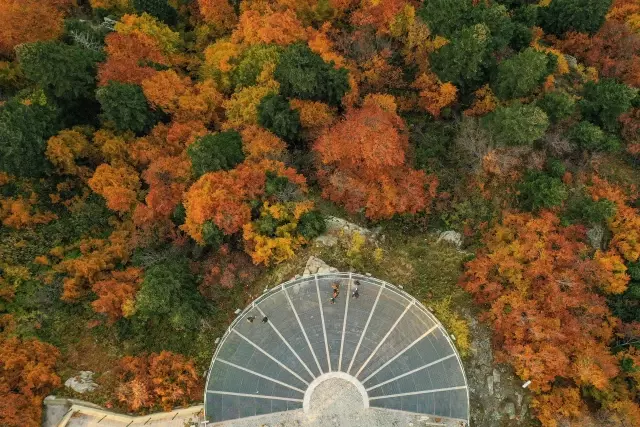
117, 293
167, 178
253, 62
184, 100
130, 58
613, 51
363, 161
434, 95
218, 13
269, 26
68, 147
125, 107
214, 152
27, 376
118, 185
516, 124
168, 295
26, 21
585, 16
259, 143
224, 197
159, 379
280, 230
550, 322
303, 74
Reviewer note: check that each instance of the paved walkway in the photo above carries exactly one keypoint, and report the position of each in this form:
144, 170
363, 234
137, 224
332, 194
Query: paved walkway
75, 413
390, 344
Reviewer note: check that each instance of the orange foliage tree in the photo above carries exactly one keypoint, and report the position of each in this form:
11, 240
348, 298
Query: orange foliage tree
223, 197
614, 51
282, 243
625, 223
26, 377
549, 319
116, 293
97, 256
219, 13
160, 379
182, 99
129, 58
64, 149
118, 185
26, 21
281, 28
258, 143
363, 163
21, 212
484, 103
379, 14
434, 95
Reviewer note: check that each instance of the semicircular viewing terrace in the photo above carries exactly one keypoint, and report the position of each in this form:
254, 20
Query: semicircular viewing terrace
295, 356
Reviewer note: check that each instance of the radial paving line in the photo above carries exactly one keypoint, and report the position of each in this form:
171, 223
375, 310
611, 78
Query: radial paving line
364, 331
413, 393
270, 357
344, 322
259, 396
324, 329
260, 375
397, 348
413, 371
313, 353
434, 327
366, 362
287, 343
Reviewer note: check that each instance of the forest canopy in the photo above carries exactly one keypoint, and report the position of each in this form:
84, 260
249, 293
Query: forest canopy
159, 158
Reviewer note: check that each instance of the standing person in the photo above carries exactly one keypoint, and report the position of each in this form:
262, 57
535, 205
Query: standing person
265, 319
250, 319
334, 295
355, 294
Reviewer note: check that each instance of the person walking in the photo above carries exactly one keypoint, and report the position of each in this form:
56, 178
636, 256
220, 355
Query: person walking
265, 319
355, 294
250, 319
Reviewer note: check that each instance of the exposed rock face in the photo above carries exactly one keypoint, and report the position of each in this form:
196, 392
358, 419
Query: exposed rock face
596, 236
82, 383
452, 237
496, 393
316, 265
327, 240
337, 225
